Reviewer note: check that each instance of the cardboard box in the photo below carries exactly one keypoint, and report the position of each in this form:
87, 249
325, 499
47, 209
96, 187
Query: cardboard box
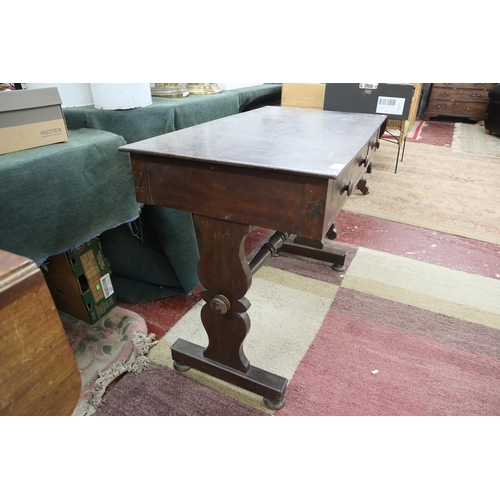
31, 118
303, 95
79, 281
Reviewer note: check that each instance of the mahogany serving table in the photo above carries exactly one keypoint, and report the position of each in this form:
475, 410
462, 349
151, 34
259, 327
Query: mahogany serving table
285, 169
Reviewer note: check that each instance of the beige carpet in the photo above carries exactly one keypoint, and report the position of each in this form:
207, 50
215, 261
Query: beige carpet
435, 188
472, 139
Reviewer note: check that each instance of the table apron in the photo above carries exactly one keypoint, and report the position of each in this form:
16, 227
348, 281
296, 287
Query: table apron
294, 203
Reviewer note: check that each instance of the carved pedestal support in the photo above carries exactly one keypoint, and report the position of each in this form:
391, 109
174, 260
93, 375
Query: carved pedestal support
224, 314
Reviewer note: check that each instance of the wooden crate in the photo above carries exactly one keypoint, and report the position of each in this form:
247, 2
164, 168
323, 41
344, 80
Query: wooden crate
303, 95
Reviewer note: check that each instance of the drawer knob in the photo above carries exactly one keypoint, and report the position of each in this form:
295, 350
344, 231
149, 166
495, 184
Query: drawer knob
476, 96
348, 188
362, 163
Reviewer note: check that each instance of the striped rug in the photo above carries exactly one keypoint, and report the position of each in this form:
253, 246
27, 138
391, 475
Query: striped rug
403, 337
389, 336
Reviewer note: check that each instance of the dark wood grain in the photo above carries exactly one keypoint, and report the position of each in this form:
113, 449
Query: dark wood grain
285, 169
225, 309
38, 372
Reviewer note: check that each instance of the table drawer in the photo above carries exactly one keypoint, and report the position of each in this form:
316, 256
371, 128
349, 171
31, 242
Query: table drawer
371, 148
346, 182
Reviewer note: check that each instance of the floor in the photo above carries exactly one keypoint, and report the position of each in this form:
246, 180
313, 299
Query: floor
422, 244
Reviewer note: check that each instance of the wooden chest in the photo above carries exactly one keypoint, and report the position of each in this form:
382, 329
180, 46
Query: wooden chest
38, 372
464, 100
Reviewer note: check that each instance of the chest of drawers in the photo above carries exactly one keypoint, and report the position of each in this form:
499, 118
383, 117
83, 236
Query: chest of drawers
464, 100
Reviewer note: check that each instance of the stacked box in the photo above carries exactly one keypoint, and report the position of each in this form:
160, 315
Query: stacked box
30, 119
80, 281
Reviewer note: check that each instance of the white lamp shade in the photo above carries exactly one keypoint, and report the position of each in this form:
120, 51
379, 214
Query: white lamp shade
121, 95
72, 94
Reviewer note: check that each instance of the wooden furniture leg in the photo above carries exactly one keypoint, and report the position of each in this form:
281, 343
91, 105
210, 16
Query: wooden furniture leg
308, 248
363, 186
316, 250
226, 276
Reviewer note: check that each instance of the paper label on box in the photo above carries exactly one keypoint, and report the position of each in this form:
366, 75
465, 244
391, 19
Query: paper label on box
390, 105
107, 286
31, 135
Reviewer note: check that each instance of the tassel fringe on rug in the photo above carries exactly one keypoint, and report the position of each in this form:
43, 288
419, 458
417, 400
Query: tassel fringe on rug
137, 364
118, 343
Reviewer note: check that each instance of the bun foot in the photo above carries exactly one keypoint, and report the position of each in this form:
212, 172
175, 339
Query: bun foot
274, 404
180, 367
338, 267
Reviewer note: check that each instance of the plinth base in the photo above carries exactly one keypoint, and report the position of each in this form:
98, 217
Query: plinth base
272, 387
336, 257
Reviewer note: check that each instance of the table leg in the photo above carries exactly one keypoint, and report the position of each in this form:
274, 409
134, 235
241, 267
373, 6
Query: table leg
363, 186
226, 276
316, 250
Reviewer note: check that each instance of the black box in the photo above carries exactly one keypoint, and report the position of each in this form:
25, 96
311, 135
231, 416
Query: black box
390, 99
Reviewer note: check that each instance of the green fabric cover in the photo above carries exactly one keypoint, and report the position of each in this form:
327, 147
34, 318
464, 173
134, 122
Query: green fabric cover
166, 115
268, 94
132, 124
153, 257
162, 116
163, 260
58, 196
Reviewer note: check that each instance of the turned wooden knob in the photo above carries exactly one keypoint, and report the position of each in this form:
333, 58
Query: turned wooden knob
220, 304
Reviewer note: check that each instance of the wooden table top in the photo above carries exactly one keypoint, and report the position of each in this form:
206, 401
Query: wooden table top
307, 141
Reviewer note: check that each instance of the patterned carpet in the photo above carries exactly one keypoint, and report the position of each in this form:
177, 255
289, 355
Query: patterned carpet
424, 191
113, 345
472, 140
435, 349
390, 336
